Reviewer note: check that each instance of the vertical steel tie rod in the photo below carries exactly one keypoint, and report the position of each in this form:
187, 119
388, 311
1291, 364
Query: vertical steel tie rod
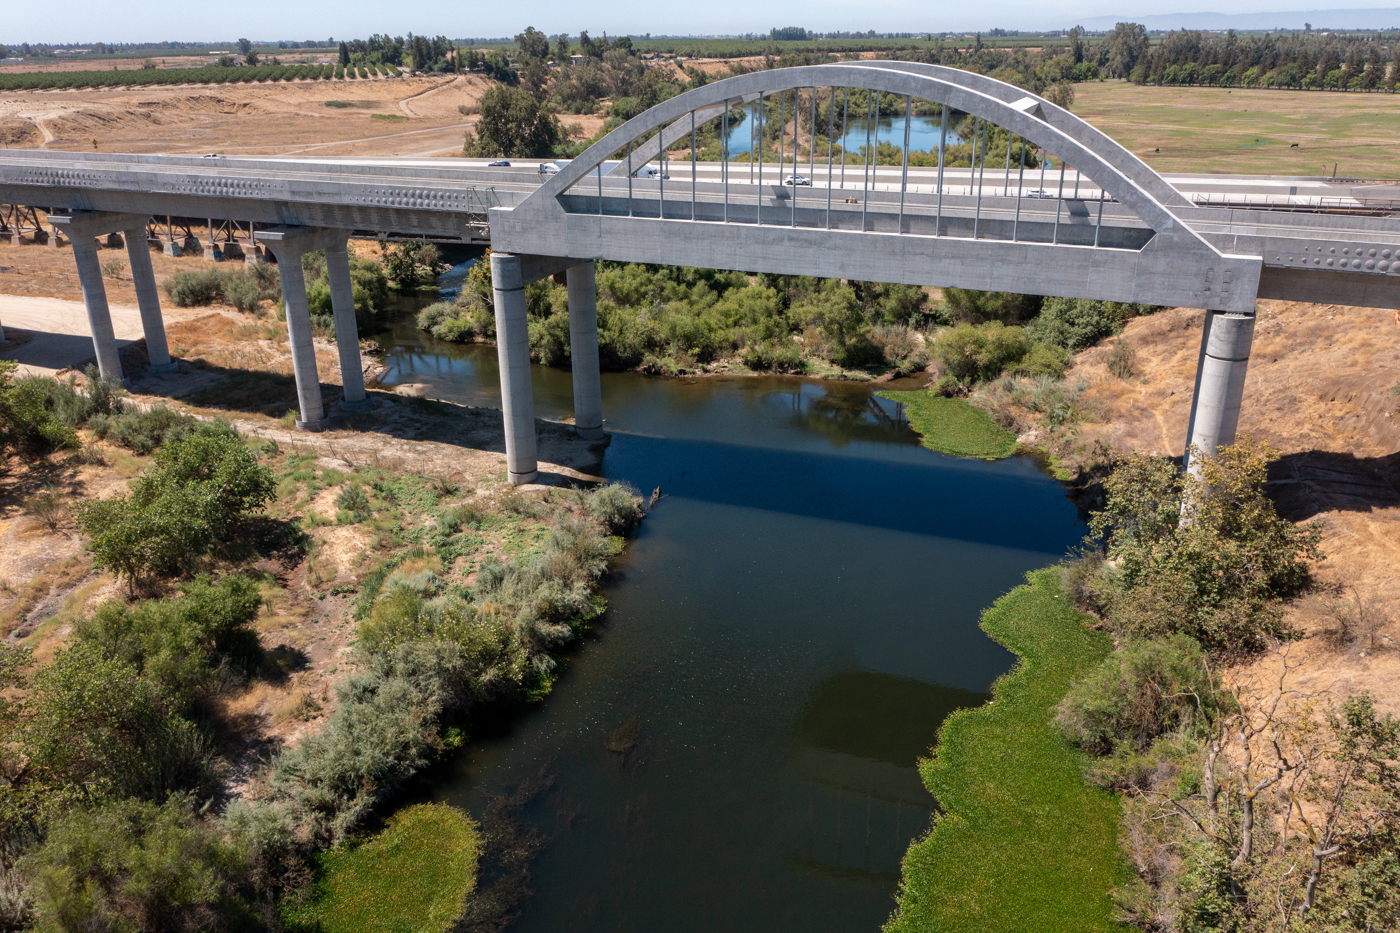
1059, 199
758, 127
692, 165
661, 179
782, 134
942, 147
830, 152
1020, 186
865, 166
972, 175
1006, 181
812, 150
724, 158
1099, 225
796, 125
629, 179
845, 111
599, 170
904, 168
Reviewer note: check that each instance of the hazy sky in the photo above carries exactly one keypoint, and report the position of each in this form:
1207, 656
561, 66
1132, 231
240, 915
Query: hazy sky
86, 21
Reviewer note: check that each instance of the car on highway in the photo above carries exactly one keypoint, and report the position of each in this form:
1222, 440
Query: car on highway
499, 163
211, 155
1038, 193
652, 171
549, 168
793, 181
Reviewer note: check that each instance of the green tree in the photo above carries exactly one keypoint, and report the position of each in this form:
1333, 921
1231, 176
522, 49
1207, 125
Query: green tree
1217, 576
201, 487
532, 45
513, 124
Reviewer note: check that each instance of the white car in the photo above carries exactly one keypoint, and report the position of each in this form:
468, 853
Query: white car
792, 181
1038, 193
651, 171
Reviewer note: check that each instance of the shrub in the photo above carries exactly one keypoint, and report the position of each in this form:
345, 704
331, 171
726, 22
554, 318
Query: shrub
354, 502
144, 431
192, 289
1122, 359
617, 507
47, 506
28, 421
979, 354
1217, 577
969, 306
203, 484
113, 268
134, 866
1147, 689
185, 642
93, 722
1078, 323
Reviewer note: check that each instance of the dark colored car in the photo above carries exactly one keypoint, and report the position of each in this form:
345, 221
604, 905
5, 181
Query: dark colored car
499, 163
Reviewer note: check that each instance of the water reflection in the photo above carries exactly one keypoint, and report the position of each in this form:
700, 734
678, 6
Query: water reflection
736, 750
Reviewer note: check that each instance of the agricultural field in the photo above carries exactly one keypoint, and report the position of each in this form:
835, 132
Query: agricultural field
1247, 131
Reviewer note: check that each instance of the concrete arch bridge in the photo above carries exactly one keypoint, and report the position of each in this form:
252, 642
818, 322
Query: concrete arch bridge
1109, 228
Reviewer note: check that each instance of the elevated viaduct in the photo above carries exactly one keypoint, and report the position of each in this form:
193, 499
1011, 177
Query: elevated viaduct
1109, 228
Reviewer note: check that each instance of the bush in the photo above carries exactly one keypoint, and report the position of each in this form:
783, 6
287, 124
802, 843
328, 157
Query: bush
352, 499
93, 722
184, 643
1122, 359
144, 431
969, 306
1147, 689
133, 866
35, 413
202, 486
193, 289
1218, 577
617, 507
1078, 323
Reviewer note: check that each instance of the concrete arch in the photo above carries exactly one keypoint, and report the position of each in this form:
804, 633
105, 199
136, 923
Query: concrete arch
1126, 178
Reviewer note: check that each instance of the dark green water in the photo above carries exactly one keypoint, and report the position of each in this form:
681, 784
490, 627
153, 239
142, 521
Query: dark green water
735, 749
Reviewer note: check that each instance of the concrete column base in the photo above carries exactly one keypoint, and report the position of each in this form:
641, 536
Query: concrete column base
171, 249
590, 434
55, 240
520, 479
214, 253
314, 427
364, 404
115, 241
161, 370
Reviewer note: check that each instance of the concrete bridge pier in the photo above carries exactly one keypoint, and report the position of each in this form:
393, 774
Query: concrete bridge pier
347, 329
289, 244
583, 350
82, 230
1220, 378
143, 276
513, 350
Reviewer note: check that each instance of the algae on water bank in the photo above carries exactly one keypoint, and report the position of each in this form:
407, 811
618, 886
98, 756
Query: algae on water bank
953, 426
1022, 842
414, 875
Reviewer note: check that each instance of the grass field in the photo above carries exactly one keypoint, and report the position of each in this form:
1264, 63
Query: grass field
1248, 131
414, 877
1022, 842
952, 426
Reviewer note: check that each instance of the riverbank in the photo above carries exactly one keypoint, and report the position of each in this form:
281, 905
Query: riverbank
1021, 842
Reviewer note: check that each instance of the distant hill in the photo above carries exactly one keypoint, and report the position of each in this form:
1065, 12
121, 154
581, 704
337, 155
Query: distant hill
1383, 18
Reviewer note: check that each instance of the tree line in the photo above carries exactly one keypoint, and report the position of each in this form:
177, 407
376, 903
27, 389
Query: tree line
1307, 61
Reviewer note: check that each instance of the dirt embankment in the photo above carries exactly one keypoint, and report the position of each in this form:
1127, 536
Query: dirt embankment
1324, 389
372, 117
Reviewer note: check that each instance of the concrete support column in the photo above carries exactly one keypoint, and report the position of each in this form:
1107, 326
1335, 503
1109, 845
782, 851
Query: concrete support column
583, 350
513, 351
299, 338
1220, 377
347, 331
104, 341
143, 276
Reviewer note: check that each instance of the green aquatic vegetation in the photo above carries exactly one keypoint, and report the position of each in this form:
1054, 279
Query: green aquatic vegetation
952, 426
413, 877
1022, 842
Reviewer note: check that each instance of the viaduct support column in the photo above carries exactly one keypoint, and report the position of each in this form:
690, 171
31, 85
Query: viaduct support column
288, 244
347, 331
143, 276
513, 351
1220, 377
583, 349
82, 229
104, 340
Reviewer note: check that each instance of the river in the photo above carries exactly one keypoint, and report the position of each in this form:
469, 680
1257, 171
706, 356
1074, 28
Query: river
735, 748
924, 132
